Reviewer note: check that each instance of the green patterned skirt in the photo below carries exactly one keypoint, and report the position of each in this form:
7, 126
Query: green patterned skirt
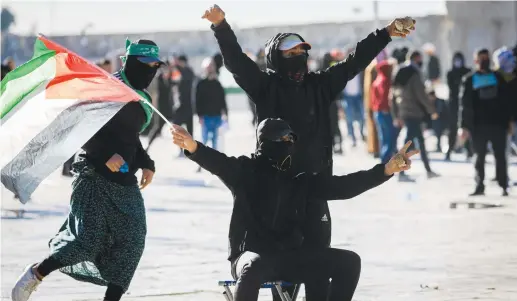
103, 238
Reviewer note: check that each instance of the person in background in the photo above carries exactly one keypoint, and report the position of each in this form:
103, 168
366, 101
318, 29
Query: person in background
9, 62
354, 106
505, 64
218, 61
410, 106
106, 65
438, 125
5, 70
210, 103
454, 80
164, 83
380, 105
372, 136
185, 113
433, 65
329, 59
486, 117
398, 60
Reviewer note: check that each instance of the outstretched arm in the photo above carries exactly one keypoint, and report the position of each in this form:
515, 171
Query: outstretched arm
245, 71
326, 187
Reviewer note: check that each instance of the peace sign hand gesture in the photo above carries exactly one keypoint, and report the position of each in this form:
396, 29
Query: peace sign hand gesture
401, 161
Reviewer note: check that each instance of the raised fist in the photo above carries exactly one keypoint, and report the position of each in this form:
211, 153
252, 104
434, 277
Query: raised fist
214, 14
401, 27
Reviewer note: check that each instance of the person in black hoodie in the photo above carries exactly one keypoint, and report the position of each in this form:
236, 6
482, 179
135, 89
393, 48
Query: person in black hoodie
165, 103
287, 90
103, 238
454, 80
185, 114
486, 116
270, 205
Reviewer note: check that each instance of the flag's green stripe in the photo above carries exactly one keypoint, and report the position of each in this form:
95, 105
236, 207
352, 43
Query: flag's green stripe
41, 55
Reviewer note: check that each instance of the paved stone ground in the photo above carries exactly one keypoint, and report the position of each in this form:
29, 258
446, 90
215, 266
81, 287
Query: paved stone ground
412, 245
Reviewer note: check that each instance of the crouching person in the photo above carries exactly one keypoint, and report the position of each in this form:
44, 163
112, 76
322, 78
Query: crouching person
265, 237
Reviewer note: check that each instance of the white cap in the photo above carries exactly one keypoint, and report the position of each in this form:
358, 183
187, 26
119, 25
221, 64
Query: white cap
292, 41
428, 47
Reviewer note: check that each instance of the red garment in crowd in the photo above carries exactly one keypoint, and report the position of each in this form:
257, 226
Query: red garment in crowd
380, 89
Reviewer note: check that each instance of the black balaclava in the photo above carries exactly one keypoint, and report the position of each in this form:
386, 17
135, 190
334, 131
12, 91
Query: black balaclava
270, 145
139, 75
294, 67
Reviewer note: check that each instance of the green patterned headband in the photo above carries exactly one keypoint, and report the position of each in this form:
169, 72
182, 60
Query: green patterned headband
141, 50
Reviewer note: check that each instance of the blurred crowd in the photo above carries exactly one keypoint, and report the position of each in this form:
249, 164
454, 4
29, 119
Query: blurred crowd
373, 108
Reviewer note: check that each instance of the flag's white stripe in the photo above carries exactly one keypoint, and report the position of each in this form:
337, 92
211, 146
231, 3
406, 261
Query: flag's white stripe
34, 116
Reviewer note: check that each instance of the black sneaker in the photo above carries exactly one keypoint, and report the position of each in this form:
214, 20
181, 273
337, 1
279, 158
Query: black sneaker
505, 192
478, 192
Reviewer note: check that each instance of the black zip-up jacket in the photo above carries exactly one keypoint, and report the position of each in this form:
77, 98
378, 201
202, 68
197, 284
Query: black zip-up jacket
269, 205
486, 103
305, 106
210, 98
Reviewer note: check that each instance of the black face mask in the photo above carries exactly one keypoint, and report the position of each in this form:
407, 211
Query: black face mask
279, 153
294, 67
484, 65
419, 64
138, 74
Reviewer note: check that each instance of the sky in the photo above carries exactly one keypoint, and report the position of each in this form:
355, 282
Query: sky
115, 16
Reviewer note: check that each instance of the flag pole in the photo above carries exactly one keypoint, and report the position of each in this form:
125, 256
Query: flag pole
157, 112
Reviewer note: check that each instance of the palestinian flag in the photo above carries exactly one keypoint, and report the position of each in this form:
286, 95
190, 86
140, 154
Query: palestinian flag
49, 108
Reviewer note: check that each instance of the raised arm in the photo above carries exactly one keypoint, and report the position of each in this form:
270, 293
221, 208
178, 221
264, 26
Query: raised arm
365, 51
245, 71
225, 168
